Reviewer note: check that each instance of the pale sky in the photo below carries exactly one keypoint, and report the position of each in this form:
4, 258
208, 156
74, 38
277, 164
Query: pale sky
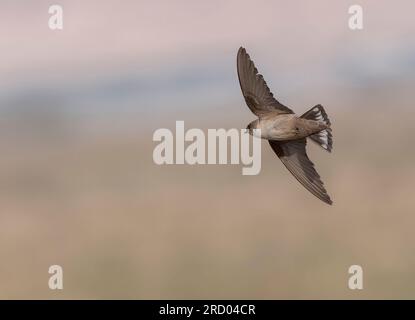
160, 49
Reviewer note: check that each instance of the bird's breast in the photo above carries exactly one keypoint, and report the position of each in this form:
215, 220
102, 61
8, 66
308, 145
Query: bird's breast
279, 128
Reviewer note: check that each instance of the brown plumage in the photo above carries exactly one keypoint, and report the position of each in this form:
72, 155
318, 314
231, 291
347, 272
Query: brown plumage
286, 133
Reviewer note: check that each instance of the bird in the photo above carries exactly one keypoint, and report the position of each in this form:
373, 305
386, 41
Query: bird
286, 132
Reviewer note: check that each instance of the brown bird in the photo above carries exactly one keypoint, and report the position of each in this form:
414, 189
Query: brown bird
286, 133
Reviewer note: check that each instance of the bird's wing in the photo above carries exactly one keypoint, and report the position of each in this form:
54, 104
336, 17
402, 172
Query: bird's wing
257, 95
293, 155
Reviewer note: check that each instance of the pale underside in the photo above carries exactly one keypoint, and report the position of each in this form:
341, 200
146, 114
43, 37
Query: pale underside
283, 127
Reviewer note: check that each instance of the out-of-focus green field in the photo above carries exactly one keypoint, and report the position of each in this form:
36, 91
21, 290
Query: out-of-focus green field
123, 227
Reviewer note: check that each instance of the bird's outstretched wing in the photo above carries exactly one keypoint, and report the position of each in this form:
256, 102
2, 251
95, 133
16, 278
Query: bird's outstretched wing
293, 155
257, 95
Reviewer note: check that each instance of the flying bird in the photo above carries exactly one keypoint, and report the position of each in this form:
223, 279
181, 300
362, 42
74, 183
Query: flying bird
286, 132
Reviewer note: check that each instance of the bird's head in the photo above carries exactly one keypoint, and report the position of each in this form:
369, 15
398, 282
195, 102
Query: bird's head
250, 128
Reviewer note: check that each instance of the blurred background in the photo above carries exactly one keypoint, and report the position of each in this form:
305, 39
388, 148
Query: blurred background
78, 186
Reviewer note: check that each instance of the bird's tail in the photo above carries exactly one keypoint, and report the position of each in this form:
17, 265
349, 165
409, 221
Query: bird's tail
323, 138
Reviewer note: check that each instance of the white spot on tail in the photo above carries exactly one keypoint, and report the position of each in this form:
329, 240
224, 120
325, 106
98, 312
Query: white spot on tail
323, 135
